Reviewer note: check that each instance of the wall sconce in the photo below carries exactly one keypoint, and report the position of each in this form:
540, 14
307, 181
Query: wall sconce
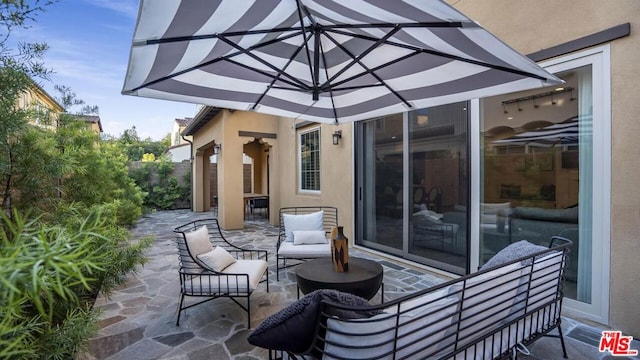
217, 148
337, 135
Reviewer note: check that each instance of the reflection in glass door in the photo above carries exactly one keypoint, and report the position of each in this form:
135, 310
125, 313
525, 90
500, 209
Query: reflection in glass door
413, 193
382, 195
438, 191
537, 157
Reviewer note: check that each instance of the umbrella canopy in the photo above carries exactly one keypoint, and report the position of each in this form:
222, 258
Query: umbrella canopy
323, 61
564, 133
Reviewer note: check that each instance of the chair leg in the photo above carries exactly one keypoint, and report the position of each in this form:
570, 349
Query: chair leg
249, 312
267, 280
564, 349
277, 268
180, 309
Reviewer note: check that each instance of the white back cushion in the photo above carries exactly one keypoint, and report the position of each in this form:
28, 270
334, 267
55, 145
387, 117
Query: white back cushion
425, 323
198, 241
308, 222
488, 299
359, 339
302, 237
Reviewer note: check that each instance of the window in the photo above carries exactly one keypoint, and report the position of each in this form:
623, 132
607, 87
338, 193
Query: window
309, 160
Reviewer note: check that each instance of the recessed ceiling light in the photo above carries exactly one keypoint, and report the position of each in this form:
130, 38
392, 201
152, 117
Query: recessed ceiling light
559, 89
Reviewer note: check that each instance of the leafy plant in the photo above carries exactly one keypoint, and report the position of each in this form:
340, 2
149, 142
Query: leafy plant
162, 188
43, 269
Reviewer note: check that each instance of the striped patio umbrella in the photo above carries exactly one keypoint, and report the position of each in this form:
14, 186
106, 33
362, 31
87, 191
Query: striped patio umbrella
564, 133
324, 60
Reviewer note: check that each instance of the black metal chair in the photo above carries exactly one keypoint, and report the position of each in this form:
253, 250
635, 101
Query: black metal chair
259, 204
238, 280
300, 253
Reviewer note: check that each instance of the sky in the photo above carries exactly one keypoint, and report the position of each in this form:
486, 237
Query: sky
89, 43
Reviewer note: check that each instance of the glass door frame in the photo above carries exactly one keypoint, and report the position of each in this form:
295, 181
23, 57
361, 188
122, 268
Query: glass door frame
599, 60
407, 196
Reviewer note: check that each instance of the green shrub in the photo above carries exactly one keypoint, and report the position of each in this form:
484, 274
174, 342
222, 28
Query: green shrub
162, 190
44, 271
50, 275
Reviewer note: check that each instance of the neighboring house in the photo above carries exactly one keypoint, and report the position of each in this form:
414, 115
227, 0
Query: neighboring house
447, 187
93, 121
176, 132
46, 108
180, 152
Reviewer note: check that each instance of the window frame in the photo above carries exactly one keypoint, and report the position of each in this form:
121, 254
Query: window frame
299, 136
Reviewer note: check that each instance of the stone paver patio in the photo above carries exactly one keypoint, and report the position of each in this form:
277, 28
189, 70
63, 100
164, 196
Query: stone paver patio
138, 319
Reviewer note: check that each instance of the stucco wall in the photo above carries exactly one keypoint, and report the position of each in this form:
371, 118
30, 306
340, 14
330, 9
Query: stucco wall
336, 174
224, 130
529, 26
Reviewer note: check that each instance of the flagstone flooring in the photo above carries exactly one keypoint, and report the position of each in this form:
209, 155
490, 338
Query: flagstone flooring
138, 319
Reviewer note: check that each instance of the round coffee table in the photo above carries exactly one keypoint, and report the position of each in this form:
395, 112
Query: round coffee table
363, 279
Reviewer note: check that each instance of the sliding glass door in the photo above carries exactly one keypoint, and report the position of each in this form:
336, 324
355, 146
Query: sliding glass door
413, 186
381, 186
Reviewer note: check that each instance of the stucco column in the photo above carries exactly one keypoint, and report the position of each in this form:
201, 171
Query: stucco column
230, 190
198, 182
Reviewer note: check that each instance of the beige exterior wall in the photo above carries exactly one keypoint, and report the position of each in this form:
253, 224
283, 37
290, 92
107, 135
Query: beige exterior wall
336, 172
529, 26
38, 99
224, 130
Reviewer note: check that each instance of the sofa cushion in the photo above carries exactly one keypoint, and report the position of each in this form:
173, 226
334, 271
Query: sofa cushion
217, 259
569, 215
488, 299
306, 237
424, 320
198, 241
428, 216
310, 222
360, 338
293, 328
489, 212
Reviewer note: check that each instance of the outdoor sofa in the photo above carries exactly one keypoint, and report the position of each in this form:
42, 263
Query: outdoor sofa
494, 313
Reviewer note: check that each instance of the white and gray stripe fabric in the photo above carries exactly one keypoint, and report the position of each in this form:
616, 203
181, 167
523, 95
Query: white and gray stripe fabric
323, 61
564, 133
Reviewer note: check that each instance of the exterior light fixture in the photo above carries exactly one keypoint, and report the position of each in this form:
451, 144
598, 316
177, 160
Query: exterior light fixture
217, 148
337, 135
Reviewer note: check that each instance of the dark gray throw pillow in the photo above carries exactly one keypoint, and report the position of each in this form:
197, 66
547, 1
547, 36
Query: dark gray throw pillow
512, 252
293, 328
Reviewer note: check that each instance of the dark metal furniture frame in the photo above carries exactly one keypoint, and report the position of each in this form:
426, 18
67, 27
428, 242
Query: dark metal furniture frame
471, 329
330, 219
197, 281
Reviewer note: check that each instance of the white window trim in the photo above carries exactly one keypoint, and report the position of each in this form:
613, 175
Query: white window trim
299, 155
600, 60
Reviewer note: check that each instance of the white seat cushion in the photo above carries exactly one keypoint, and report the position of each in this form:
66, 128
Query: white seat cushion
223, 284
288, 249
